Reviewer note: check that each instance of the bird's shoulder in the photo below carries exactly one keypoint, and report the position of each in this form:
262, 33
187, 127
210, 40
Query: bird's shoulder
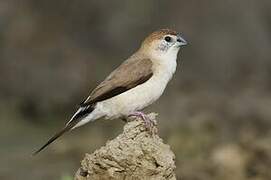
134, 71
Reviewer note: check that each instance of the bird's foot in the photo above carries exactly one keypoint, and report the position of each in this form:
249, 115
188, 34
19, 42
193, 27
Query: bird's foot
149, 123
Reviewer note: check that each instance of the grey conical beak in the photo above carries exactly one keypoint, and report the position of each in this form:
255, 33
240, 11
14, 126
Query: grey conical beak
181, 40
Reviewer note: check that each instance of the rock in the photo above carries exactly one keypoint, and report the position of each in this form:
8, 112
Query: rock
135, 154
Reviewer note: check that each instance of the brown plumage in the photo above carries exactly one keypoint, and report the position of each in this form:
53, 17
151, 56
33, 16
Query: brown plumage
131, 73
158, 35
128, 75
135, 71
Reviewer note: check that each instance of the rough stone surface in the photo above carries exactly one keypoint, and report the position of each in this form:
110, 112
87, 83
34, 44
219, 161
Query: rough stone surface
135, 154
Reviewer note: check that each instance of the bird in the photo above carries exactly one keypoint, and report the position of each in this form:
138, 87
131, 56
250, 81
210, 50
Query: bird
138, 82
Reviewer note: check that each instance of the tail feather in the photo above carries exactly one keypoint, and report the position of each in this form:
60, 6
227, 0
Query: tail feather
78, 116
52, 139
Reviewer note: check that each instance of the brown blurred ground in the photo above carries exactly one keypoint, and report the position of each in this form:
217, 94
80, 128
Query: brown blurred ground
218, 104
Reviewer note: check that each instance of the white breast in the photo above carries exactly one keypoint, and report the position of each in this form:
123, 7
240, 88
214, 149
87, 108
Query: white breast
140, 96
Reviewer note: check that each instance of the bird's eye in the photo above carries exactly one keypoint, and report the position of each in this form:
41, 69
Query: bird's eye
168, 39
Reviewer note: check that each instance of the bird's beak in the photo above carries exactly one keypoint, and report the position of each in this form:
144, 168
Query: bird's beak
181, 40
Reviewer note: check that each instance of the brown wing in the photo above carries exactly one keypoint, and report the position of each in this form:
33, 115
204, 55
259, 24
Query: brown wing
128, 75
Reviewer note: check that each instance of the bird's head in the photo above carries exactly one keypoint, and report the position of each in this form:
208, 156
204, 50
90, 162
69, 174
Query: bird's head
164, 42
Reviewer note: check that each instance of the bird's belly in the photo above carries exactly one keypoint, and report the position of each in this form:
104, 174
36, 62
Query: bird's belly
134, 99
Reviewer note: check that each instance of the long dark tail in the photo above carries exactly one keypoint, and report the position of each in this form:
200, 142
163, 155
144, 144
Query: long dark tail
52, 139
78, 116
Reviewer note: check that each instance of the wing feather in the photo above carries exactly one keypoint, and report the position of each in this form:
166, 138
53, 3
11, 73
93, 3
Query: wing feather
128, 75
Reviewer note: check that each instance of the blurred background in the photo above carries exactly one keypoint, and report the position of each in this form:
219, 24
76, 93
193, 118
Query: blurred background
215, 113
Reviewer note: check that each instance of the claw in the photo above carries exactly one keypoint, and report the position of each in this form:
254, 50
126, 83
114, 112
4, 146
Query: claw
149, 124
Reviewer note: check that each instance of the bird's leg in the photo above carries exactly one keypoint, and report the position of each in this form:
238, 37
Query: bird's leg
147, 121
